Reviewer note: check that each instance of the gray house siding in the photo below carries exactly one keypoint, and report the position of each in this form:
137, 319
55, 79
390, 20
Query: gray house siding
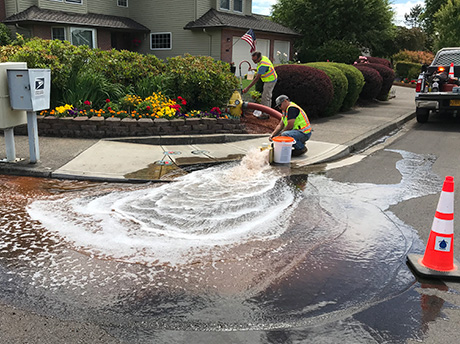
183, 41
13, 7
110, 7
63, 6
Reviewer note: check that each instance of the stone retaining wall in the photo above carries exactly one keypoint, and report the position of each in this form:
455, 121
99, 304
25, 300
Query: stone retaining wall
99, 127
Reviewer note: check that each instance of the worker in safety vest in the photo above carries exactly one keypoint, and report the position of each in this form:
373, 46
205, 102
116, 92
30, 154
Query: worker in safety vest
266, 72
294, 123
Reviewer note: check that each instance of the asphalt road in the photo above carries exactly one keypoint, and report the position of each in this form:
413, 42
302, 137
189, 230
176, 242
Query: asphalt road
437, 141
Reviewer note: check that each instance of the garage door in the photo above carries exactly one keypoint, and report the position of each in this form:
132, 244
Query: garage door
281, 51
241, 53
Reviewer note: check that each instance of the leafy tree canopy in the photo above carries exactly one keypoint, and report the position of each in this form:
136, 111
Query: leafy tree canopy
427, 17
447, 25
364, 23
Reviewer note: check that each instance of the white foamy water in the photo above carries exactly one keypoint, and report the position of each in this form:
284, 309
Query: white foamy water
176, 222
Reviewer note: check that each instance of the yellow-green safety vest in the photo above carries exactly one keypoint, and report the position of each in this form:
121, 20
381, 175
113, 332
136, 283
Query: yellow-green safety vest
270, 75
301, 122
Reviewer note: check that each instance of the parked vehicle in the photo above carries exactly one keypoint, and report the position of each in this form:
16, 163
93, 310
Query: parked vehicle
437, 86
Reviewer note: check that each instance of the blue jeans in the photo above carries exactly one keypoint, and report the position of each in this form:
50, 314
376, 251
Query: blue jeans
299, 137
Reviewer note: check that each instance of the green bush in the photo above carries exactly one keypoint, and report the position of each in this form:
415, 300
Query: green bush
340, 83
80, 73
408, 70
201, 80
5, 35
125, 67
355, 84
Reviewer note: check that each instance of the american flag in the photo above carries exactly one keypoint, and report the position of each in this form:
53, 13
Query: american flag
250, 37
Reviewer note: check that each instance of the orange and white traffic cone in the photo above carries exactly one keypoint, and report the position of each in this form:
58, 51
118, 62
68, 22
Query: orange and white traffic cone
451, 71
438, 260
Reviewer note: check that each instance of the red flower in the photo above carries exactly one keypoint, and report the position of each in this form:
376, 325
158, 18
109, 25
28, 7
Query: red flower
109, 108
148, 107
184, 102
216, 109
87, 102
175, 106
107, 100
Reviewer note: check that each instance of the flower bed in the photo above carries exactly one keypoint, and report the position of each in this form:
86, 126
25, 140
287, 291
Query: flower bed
134, 116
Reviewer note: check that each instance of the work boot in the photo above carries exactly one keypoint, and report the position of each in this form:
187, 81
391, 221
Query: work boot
297, 152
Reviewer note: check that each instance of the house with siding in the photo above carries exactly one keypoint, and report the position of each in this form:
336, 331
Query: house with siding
163, 28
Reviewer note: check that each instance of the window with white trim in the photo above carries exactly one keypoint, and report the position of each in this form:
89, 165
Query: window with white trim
122, 3
238, 5
74, 1
161, 41
224, 4
83, 36
58, 33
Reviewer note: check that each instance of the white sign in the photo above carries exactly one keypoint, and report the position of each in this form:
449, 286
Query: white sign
442, 244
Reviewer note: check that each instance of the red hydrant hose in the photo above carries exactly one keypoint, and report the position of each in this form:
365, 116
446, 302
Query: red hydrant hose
263, 108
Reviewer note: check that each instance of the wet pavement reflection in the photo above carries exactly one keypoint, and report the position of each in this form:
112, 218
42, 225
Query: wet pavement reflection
233, 252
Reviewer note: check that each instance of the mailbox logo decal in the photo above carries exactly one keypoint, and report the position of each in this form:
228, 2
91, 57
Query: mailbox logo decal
39, 86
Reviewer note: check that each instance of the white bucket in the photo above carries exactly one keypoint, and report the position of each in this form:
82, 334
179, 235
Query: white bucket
282, 149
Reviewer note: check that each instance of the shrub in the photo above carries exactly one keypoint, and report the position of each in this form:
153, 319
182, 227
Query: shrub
339, 82
86, 85
203, 81
125, 67
308, 87
379, 60
408, 70
388, 76
420, 57
5, 35
372, 82
355, 85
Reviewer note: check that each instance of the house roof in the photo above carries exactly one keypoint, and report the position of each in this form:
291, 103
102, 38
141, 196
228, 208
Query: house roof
214, 18
35, 14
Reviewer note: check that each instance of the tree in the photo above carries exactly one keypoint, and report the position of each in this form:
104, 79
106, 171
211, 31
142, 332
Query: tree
413, 39
427, 17
447, 25
363, 23
413, 19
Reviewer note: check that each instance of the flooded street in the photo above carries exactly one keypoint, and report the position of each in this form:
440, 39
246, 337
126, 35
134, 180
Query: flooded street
229, 254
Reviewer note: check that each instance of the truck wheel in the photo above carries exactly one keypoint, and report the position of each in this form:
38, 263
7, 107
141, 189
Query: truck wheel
422, 115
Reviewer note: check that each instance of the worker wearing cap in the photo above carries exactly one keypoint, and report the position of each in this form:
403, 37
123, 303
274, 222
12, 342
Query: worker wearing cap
265, 72
294, 123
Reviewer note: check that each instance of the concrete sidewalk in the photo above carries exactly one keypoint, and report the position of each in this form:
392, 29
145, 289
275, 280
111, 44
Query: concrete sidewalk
142, 159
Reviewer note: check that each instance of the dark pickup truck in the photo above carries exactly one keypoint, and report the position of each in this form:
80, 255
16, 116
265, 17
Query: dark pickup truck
437, 86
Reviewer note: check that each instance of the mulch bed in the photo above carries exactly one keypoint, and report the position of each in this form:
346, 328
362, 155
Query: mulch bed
255, 125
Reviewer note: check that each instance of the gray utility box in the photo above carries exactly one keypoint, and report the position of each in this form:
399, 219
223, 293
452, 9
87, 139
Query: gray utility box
29, 89
9, 118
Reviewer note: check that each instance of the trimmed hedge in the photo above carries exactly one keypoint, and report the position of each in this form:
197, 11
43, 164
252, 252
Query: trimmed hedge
339, 82
373, 82
355, 85
379, 60
408, 70
308, 87
388, 76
